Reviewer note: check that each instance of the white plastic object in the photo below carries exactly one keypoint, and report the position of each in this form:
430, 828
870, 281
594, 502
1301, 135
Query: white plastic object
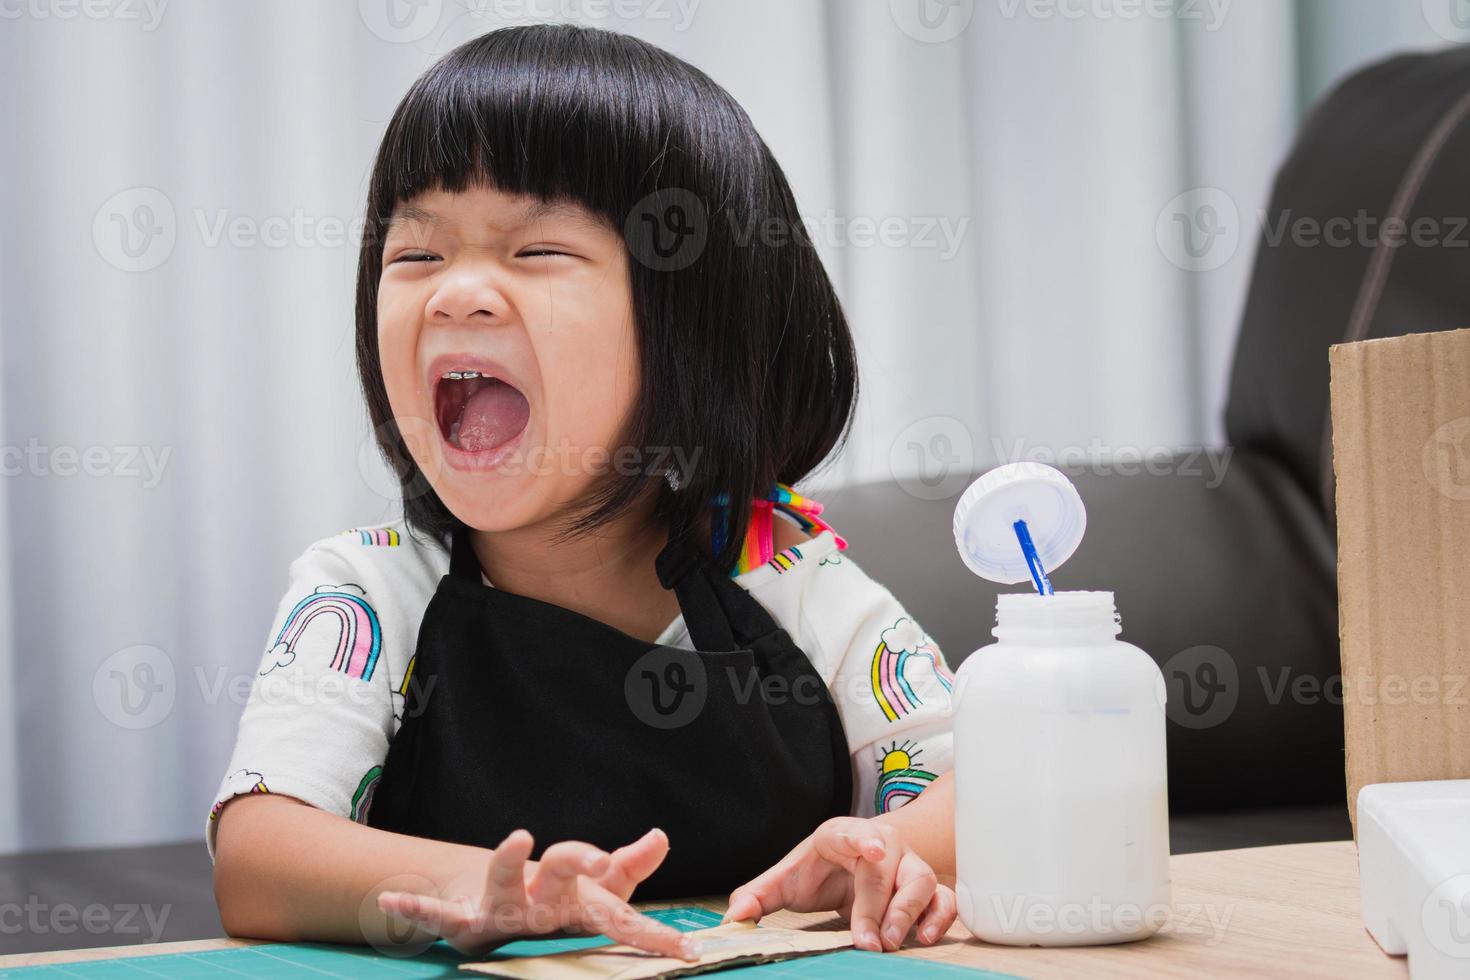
985, 518
1414, 869
1061, 797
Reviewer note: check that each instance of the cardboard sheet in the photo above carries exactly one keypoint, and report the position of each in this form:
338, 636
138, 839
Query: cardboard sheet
1401, 451
736, 943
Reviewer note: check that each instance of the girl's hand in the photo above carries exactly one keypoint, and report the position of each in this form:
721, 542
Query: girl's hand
574, 887
863, 870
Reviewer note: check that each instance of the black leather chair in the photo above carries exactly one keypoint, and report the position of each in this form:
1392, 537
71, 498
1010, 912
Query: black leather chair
1230, 583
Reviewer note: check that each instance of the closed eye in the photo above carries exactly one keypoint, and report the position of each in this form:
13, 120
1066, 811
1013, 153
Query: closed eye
414, 257
533, 252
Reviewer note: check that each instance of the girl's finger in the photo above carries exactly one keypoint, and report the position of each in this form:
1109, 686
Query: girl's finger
631, 864
553, 888
573, 857
872, 885
604, 912
915, 886
757, 897
505, 881
845, 841
938, 917
767, 892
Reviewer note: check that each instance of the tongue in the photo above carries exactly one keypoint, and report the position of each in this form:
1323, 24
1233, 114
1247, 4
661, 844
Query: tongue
492, 416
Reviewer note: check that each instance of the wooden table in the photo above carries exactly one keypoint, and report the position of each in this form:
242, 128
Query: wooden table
1288, 911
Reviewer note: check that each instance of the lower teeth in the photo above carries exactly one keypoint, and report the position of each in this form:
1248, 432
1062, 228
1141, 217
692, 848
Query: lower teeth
454, 432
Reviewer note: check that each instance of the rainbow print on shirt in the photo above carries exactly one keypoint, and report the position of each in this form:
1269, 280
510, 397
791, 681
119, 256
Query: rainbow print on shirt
400, 696
785, 559
239, 782
362, 800
900, 777
899, 647
359, 635
382, 537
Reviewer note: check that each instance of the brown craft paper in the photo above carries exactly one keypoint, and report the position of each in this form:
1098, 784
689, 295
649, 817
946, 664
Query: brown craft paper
732, 944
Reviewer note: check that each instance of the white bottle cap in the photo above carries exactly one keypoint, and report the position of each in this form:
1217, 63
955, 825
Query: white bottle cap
985, 519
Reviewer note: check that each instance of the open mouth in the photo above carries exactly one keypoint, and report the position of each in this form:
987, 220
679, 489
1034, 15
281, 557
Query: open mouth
478, 413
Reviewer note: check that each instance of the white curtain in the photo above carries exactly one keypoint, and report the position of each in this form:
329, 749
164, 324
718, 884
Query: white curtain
987, 180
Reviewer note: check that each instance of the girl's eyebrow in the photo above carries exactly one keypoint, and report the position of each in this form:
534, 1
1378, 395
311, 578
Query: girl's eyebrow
535, 211
405, 213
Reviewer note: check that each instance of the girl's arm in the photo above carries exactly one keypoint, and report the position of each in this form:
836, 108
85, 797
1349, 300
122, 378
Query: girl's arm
927, 825
287, 871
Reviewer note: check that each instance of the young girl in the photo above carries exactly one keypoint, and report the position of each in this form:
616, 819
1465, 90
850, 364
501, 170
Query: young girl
598, 350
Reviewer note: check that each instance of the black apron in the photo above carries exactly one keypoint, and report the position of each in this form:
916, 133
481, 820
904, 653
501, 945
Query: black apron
523, 714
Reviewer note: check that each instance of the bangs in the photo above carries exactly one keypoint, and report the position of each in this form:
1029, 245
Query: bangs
557, 114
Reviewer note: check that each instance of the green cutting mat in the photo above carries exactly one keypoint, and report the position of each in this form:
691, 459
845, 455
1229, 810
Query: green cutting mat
326, 961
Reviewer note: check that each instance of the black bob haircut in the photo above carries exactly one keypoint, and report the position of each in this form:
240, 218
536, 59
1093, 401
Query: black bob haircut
746, 357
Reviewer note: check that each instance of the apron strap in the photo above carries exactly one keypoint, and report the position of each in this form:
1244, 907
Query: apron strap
681, 567
463, 563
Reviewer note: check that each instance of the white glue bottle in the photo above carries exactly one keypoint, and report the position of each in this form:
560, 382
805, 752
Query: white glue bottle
1061, 799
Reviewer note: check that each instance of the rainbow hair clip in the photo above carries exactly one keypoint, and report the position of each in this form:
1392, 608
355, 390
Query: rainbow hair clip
759, 546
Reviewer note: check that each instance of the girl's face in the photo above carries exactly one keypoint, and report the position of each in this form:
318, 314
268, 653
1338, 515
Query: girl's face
507, 344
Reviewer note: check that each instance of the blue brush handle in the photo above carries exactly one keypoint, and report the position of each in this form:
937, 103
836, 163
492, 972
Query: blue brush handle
1033, 561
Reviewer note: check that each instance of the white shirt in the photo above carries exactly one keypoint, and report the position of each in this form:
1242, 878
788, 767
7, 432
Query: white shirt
329, 692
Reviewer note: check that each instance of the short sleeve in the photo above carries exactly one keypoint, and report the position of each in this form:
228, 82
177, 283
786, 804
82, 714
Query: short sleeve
889, 680
322, 704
